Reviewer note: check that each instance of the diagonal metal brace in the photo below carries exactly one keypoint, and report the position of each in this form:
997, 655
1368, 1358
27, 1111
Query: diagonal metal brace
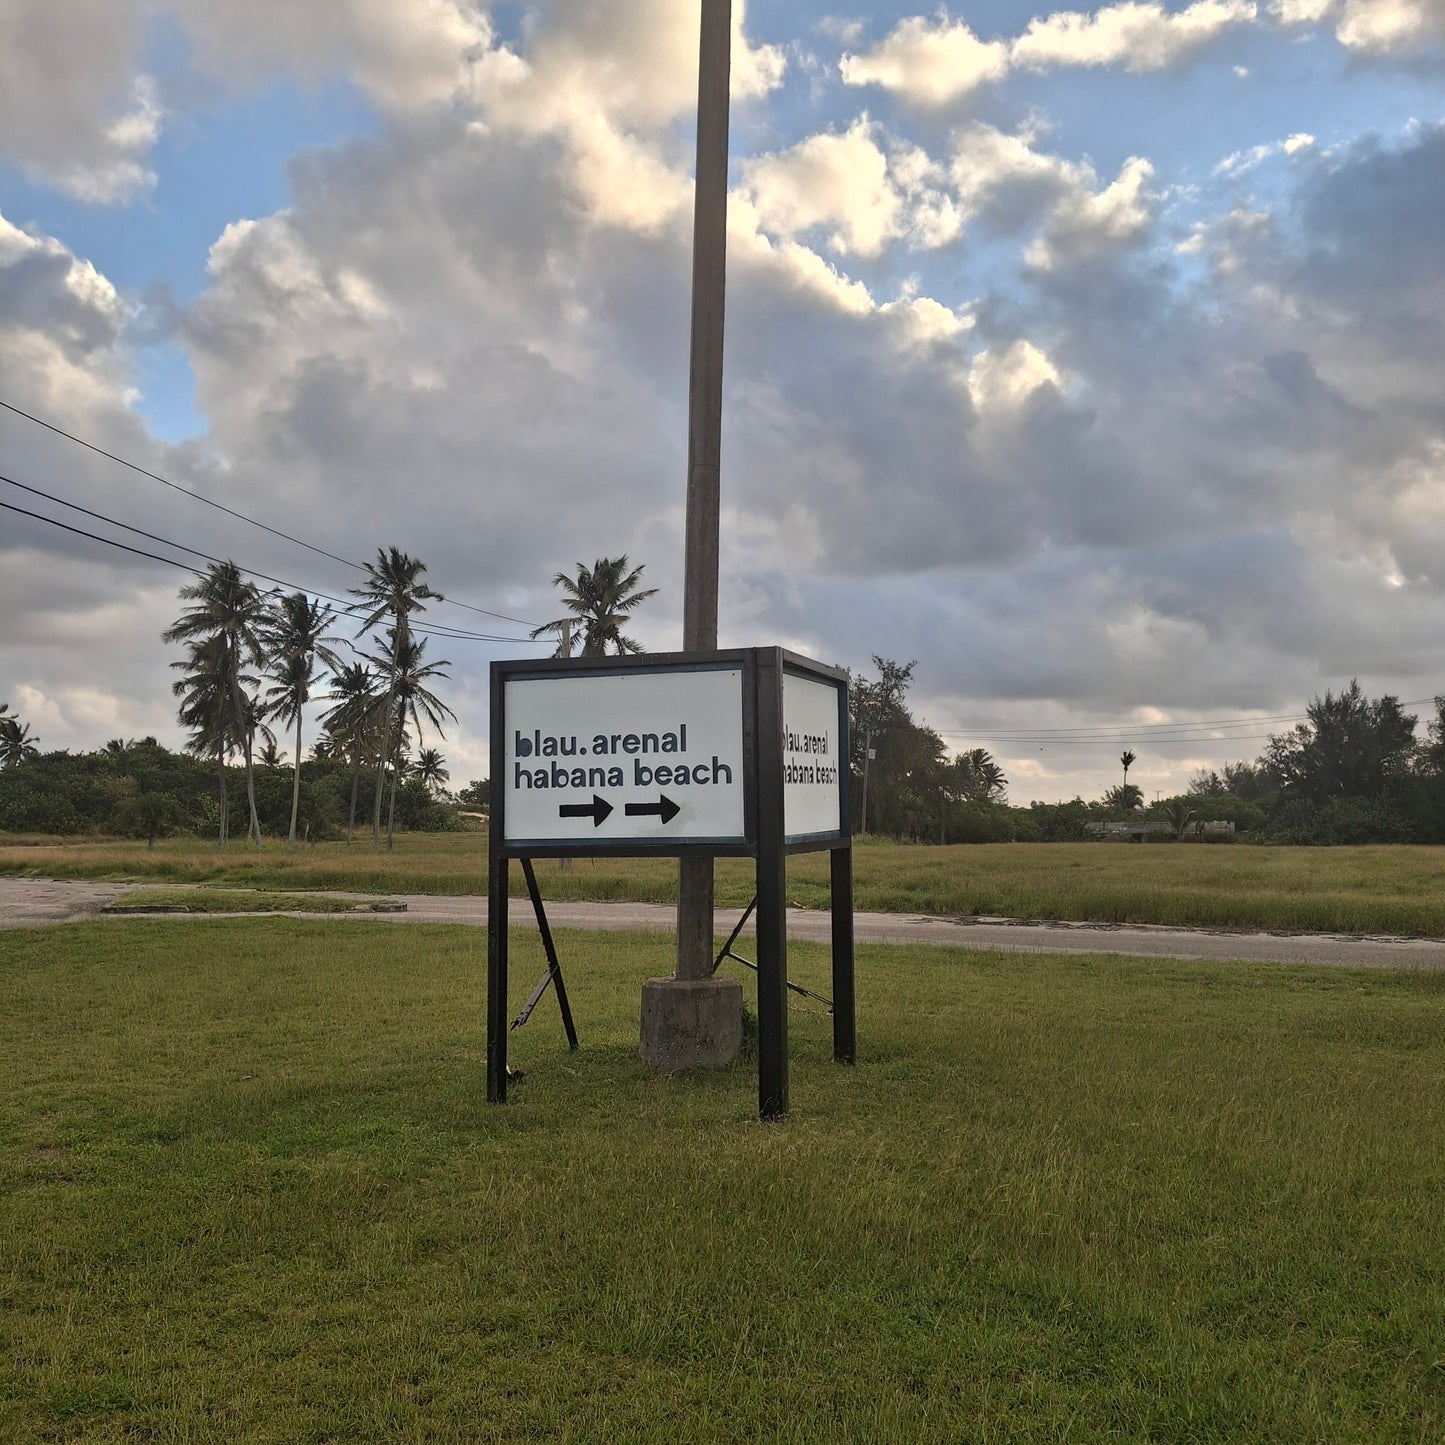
553, 974
727, 952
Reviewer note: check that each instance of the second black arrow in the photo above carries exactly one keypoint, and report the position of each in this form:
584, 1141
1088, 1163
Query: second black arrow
663, 808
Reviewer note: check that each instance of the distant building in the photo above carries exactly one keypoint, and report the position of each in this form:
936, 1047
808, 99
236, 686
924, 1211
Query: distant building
1142, 831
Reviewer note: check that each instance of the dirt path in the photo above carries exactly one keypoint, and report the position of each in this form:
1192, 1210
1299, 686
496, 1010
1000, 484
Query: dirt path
30, 902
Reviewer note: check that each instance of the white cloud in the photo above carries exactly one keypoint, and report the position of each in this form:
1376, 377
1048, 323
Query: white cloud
932, 64
405, 54
833, 181
843, 29
1240, 162
632, 61
66, 80
1300, 12
1086, 223
60, 323
936, 63
986, 159
848, 185
1002, 378
1132, 35
1383, 27
1003, 178
923, 321
1370, 27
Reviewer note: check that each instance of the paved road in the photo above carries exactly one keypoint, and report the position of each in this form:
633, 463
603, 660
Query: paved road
26, 902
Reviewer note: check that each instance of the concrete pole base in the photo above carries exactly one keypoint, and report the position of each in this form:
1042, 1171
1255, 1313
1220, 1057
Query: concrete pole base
691, 1023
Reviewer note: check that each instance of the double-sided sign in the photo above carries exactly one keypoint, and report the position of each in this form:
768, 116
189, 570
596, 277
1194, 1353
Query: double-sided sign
726, 754
658, 755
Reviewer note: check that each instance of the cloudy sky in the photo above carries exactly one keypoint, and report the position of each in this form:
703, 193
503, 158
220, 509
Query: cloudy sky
1095, 359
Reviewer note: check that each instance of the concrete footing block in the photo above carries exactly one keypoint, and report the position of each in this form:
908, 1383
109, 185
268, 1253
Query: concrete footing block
691, 1023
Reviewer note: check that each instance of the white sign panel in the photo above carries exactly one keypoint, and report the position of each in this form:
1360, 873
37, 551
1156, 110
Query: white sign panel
813, 772
649, 756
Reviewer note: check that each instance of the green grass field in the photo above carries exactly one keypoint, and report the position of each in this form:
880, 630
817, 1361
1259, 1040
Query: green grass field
1348, 890
250, 1189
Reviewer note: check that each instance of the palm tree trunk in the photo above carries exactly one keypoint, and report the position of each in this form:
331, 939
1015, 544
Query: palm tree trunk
386, 743
376, 800
296, 784
395, 774
355, 780
246, 749
221, 772
251, 793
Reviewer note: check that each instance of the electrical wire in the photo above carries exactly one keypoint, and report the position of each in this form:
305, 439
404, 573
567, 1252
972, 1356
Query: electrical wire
425, 630
231, 512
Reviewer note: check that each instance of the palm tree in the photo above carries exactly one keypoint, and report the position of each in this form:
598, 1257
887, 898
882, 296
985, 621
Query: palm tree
233, 611
215, 732
977, 778
411, 699
1179, 816
352, 722
600, 598
1128, 760
296, 641
17, 742
393, 590
431, 768
270, 755
204, 690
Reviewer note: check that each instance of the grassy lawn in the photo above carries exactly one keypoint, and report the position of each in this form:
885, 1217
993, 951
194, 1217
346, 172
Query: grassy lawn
1348, 890
250, 1189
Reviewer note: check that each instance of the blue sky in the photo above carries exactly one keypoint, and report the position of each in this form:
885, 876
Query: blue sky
1019, 358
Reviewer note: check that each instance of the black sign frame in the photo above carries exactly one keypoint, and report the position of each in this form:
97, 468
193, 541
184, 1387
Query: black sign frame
764, 840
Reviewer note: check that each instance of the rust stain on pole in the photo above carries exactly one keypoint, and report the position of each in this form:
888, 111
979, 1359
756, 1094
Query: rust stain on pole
704, 432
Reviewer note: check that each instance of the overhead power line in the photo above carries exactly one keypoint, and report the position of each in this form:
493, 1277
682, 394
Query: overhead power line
1085, 728
175, 487
426, 630
1142, 734
232, 512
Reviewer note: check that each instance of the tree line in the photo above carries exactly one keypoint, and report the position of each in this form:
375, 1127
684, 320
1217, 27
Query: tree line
1355, 771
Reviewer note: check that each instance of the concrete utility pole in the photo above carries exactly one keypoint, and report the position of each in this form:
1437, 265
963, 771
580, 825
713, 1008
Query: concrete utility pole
693, 1019
704, 433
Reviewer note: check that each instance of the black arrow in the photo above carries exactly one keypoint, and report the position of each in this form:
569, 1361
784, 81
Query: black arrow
663, 808
599, 810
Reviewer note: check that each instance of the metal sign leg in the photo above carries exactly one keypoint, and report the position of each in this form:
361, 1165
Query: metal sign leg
497, 981
845, 1042
772, 873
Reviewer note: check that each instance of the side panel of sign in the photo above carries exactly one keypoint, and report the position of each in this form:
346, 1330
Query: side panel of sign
650, 757
814, 773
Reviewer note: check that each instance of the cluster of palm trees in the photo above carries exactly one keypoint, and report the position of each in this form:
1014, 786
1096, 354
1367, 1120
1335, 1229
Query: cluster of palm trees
17, 742
254, 657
